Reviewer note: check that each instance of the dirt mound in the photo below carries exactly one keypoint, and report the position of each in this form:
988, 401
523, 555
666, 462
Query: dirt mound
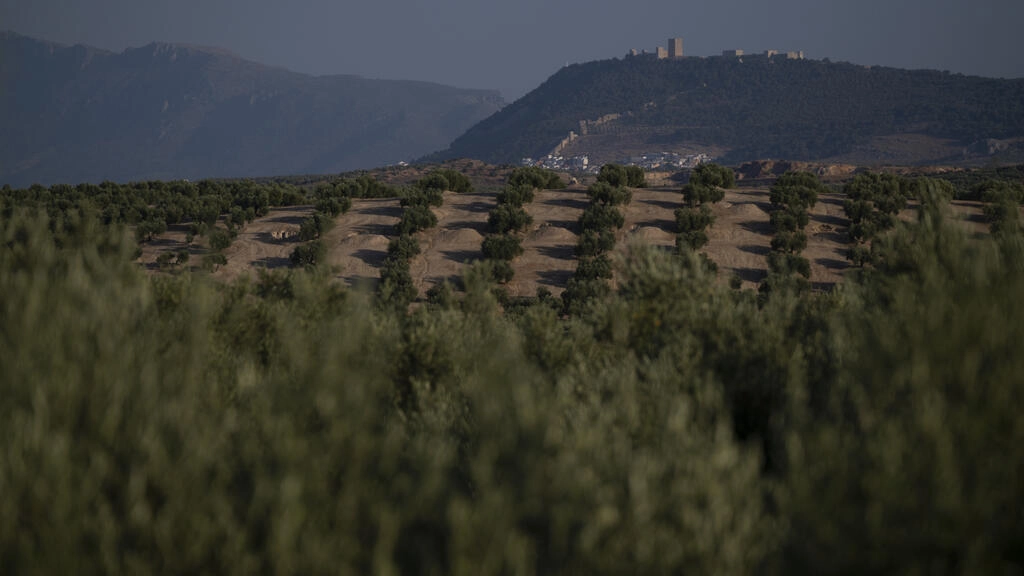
358, 241
460, 237
552, 235
745, 210
651, 235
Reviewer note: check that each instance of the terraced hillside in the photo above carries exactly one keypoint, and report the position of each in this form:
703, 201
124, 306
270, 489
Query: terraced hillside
739, 240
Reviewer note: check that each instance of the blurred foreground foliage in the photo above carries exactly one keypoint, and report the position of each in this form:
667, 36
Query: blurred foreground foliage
169, 424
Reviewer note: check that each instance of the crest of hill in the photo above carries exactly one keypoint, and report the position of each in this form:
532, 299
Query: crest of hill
171, 111
756, 107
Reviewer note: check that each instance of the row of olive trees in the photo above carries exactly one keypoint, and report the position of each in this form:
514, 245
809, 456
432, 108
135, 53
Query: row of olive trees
397, 289
792, 196
1002, 207
873, 204
170, 424
507, 222
618, 175
598, 223
509, 219
707, 186
331, 201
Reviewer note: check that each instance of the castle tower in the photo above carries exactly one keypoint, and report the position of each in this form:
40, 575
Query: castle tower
675, 47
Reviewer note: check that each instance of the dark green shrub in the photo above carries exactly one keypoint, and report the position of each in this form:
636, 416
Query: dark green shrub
712, 175
502, 247
635, 177
595, 242
334, 206
696, 194
796, 190
415, 218
165, 259
580, 292
396, 290
443, 179
501, 271
604, 193
219, 239
535, 177
789, 220
1003, 215
517, 195
441, 295
404, 247
433, 181
594, 268
309, 254
212, 261
507, 218
315, 226
691, 240
694, 219
600, 217
783, 263
614, 175
789, 242
423, 197
146, 230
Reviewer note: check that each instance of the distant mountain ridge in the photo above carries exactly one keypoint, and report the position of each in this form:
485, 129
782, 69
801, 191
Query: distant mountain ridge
756, 107
77, 113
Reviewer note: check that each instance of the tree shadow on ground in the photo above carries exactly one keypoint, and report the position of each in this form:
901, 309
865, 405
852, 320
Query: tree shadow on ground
836, 237
559, 278
755, 249
758, 227
371, 257
480, 227
666, 204
560, 252
477, 207
832, 263
579, 204
273, 262
837, 221
462, 256
755, 275
378, 229
392, 211
296, 220
364, 283
570, 225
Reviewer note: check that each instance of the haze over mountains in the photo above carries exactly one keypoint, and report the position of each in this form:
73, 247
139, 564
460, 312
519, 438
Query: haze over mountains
164, 111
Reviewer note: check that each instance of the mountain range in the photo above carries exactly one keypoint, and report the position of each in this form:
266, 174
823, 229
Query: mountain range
757, 107
168, 111
171, 111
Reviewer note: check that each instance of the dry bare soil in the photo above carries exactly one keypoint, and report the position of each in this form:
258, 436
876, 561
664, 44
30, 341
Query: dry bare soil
739, 240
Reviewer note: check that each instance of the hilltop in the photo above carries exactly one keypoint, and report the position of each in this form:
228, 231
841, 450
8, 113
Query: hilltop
170, 111
756, 107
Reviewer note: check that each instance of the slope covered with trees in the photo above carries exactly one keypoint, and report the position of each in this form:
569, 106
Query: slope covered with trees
754, 107
166, 423
164, 111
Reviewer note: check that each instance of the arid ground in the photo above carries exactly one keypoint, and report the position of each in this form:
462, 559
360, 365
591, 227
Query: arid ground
357, 245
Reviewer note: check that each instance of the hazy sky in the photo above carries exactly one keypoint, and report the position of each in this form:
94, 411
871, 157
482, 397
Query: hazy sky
513, 46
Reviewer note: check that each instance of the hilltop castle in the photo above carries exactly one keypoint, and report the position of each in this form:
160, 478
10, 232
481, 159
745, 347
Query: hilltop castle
675, 50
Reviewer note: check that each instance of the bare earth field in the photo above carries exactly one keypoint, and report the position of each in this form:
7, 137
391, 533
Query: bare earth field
739, 240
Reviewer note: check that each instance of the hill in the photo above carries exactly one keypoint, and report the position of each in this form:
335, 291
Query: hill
757, 107
167, 111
